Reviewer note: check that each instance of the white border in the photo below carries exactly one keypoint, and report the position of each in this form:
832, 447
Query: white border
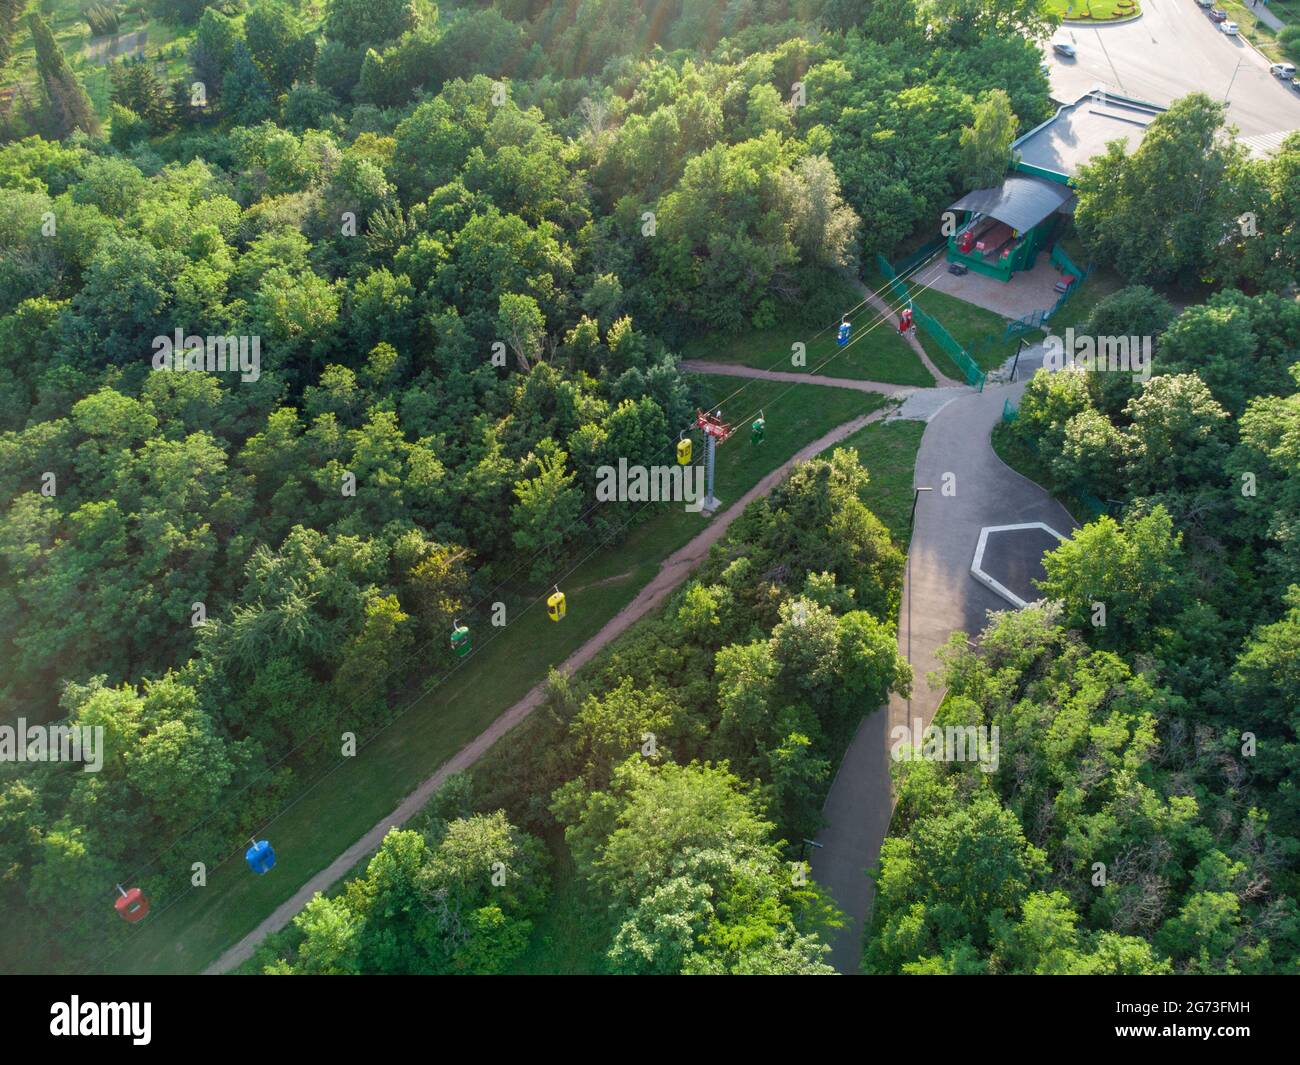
978, 573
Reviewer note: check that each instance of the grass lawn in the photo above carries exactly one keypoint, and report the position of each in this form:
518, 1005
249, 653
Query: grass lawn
570, 935
1261, 36
969, 325
1092, 10
343, 802
888, 451
878, 355
1287, 10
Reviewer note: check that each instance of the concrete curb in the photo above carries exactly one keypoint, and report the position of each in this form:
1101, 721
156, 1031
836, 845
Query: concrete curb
976, 566
1094, 24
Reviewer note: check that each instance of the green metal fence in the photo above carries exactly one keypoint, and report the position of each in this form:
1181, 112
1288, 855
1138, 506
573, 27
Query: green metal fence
1063, 262
920, 255
974, 375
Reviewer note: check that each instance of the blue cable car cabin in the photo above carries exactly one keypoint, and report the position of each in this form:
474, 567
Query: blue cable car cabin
260, 857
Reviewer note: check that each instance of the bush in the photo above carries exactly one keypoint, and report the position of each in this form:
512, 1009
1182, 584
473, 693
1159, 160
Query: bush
1289, 38
103, 19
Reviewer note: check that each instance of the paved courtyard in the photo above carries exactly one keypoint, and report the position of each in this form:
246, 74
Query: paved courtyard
1026, 292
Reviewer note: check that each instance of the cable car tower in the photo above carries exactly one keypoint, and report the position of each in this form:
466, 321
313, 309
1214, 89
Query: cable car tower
715, 431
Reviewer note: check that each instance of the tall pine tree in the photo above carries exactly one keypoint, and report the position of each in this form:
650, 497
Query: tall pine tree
67, 105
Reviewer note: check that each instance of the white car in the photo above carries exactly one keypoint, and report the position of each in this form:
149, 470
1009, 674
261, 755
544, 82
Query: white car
1285, 71
1230, 28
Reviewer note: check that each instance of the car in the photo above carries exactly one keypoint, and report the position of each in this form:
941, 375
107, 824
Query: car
1285, 71
1204, 3
1061, 48
1230, 28
1217, 14
1295, 84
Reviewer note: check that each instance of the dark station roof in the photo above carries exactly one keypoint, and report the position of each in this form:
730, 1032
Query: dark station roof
1021, 201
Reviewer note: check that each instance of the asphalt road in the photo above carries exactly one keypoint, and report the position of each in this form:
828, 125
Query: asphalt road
1171, 50
944, 597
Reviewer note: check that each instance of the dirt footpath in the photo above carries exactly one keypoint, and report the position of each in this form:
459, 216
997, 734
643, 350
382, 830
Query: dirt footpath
673, 571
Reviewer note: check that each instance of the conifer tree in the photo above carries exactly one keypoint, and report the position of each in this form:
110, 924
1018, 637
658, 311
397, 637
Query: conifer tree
67, 105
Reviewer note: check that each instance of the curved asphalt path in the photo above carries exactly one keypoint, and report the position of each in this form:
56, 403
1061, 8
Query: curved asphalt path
944, 598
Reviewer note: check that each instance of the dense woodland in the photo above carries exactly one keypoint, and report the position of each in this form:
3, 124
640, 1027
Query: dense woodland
1157, 738
471, 239
677, 769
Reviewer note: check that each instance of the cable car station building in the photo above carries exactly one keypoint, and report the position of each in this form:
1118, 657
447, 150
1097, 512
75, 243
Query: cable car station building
1000, 231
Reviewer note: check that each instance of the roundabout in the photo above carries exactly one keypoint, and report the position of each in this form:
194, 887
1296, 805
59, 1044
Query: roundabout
1095, 12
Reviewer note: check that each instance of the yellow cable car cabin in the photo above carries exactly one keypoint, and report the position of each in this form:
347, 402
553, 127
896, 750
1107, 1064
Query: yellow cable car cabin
555, 605
684, 449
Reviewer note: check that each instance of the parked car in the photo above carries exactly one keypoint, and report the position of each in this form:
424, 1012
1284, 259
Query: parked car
1061, 48
1285, 71
1230, 28
1295, 84
1204, 3
1217, 14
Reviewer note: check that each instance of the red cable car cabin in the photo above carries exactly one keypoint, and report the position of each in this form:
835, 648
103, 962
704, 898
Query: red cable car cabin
133, 905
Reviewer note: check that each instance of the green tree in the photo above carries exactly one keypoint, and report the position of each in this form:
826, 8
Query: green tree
1159, 213
279, 45
363, 24
522, 326
10, 12
1132, 570
67, 107
547, 507
986, 142
694, 882
137, 88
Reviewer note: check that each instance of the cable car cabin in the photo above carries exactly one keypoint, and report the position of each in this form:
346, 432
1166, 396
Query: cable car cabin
684, 451
757, 429
905, 320
460, 641
260, 857
555, 605
842, 337
133, 905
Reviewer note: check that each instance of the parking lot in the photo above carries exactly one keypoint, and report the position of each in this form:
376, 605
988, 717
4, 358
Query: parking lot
1171, 50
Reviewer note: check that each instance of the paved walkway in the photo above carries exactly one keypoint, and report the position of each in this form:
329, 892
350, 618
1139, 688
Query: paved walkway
1261, 12
673, 571
939, 597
